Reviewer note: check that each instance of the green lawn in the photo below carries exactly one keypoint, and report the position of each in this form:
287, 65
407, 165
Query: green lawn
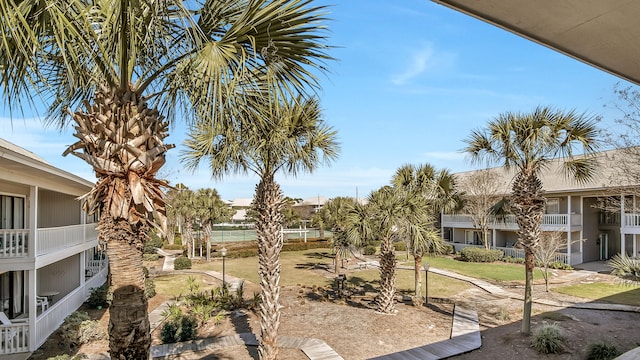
297, 270
174, 285
605, 292
497, 271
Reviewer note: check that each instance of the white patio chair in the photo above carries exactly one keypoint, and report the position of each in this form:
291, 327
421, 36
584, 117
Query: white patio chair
43, 302
10, 334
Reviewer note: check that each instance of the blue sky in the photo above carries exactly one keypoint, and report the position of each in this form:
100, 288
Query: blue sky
411, 81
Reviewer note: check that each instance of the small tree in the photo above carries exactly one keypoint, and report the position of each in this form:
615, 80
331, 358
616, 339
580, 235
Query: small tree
482, 191
550, 244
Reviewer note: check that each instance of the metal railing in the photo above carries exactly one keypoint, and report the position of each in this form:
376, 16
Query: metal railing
509, 221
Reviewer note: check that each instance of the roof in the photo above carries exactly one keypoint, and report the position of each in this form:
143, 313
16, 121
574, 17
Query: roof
554, 180
600, 33
241, 202
17, 162
313, 201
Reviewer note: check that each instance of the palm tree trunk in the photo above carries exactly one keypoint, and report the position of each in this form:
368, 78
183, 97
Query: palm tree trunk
417, 261
268, 206
528, 207
129, 331
386, 297
188, 236
337, 261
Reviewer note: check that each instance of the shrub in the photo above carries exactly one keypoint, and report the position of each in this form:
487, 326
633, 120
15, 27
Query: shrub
149, 288
369, 250
602, 351
181, 263
473, 254
150, 257
152, 244
447, 249
511, 259
548, 339
78, 329
100, 296
400, 246
175, 246
183, 328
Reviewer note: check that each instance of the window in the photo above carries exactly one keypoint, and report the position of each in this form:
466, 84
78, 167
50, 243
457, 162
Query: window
12, 212
472, 237
553, 206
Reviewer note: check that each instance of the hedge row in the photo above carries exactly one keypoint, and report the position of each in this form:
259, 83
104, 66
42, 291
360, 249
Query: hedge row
473, 254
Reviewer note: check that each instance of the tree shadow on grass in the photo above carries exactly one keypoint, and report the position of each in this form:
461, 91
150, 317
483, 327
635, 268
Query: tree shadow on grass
319, 255
312, 266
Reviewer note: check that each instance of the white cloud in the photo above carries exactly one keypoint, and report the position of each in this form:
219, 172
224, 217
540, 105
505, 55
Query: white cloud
423, 61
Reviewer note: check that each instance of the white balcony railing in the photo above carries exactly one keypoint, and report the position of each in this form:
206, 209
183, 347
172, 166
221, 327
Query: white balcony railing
632, 220
576, 258
14, 338
52, 239
14, 243
509, 221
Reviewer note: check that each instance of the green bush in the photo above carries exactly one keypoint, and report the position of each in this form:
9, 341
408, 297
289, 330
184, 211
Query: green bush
175, 246
548, 339
154, 242
181, 263
183, 328
369, 250
149, 288
511, 259
78, 329
447, 249
400, 246
150, 257
474, 254
100, 296
602, 351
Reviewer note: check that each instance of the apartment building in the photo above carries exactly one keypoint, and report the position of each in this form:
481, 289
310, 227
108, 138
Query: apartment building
593, 230
50, 257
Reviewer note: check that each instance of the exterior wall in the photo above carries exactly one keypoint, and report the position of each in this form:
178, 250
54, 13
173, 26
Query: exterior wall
62, 276
56, 209
590, 231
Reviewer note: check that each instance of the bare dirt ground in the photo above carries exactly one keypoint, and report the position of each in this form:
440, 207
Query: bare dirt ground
353, 329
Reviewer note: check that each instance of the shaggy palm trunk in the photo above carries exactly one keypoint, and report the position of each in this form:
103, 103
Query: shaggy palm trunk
386, 301
129, 336
122, 139
268, 206
417, 262
188, 236
337, 260
528, 207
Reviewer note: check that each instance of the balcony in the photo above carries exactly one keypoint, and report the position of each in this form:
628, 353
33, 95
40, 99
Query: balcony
549, 221
14, 243
58, 238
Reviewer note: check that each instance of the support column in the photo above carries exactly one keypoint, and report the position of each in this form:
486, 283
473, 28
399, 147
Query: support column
33, 311
33, 222
623, 225
494, 235
568, 229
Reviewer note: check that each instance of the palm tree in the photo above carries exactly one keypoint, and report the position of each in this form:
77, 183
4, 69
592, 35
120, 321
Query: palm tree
183, 208
210, 209
118, 69
273, 136
527, 142
431, 191
336, 214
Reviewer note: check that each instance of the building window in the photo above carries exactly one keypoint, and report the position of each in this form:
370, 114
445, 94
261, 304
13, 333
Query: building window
553, 206
12, 212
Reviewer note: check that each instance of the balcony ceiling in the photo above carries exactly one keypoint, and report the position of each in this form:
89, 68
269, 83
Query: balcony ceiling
600, 33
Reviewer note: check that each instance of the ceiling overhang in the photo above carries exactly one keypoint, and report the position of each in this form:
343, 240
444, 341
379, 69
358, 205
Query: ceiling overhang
604, 34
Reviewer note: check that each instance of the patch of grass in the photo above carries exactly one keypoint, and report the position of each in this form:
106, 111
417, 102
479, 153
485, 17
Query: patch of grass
554, 316
606, 292
496, 271
175, 285
297, 268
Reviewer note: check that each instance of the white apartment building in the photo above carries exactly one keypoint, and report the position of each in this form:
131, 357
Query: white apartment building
50, 258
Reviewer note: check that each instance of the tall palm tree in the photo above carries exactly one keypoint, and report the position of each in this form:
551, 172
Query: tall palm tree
274, 135
431, 191
118, 69
527, 142
183, 207
210, 209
